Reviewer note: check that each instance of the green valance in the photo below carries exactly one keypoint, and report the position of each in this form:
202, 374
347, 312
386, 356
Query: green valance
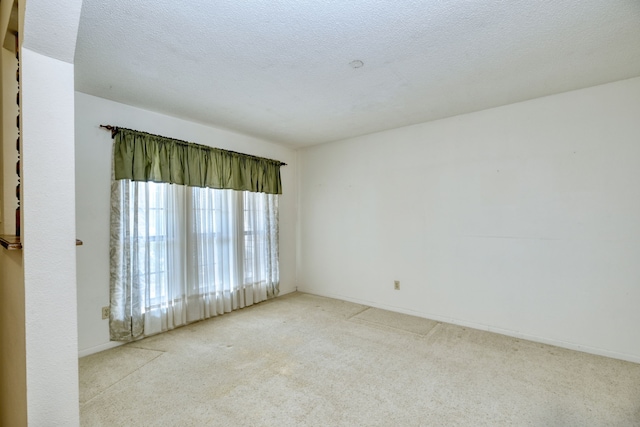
140, 156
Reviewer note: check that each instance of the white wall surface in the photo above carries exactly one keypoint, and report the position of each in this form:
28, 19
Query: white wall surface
93, 168
523, 219
48, 212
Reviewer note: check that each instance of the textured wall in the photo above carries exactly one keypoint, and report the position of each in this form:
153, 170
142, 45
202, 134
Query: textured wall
49, 240
521, 219
93, 166
48, 211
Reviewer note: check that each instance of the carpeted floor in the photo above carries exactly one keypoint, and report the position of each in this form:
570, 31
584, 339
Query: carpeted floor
302, 360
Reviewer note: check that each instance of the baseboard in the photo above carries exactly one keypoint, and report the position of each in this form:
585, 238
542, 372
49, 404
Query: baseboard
515, 334
99, 348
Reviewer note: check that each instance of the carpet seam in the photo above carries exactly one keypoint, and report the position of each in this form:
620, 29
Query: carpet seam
360, 312
432, 331
147, 349
121, 379
369, 322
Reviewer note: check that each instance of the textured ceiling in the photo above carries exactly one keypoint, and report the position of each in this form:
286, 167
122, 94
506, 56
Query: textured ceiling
281, 70
51, 27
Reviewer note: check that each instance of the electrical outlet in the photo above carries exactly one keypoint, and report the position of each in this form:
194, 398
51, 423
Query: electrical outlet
396, 285
105, 312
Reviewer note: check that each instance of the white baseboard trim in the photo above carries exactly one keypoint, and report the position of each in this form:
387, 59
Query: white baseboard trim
515, 334
99, 348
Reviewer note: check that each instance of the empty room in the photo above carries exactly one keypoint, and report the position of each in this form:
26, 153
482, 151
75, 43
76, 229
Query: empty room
301, 213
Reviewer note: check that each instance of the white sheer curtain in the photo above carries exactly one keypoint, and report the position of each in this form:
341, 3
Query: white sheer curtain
181, 254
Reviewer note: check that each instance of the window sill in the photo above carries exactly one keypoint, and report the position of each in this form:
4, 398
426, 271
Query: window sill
12, 243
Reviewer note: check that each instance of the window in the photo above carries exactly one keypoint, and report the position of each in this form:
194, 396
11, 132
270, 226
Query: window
192, 253
181, 251
150, 219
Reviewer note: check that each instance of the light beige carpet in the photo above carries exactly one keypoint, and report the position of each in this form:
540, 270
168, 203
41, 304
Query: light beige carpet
302, 360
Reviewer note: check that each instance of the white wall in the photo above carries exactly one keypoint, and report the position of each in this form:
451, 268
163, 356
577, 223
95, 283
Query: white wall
48, 212
93, 166
523, 219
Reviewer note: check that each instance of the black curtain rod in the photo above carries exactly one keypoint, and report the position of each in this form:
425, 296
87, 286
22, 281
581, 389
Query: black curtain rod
114, 130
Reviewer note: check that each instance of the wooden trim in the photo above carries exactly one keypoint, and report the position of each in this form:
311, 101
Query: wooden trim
12, 243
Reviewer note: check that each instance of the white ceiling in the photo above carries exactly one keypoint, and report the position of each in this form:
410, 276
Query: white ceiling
280, 69
51, 27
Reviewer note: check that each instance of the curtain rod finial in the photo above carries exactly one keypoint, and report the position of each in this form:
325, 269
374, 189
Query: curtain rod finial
113, 129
